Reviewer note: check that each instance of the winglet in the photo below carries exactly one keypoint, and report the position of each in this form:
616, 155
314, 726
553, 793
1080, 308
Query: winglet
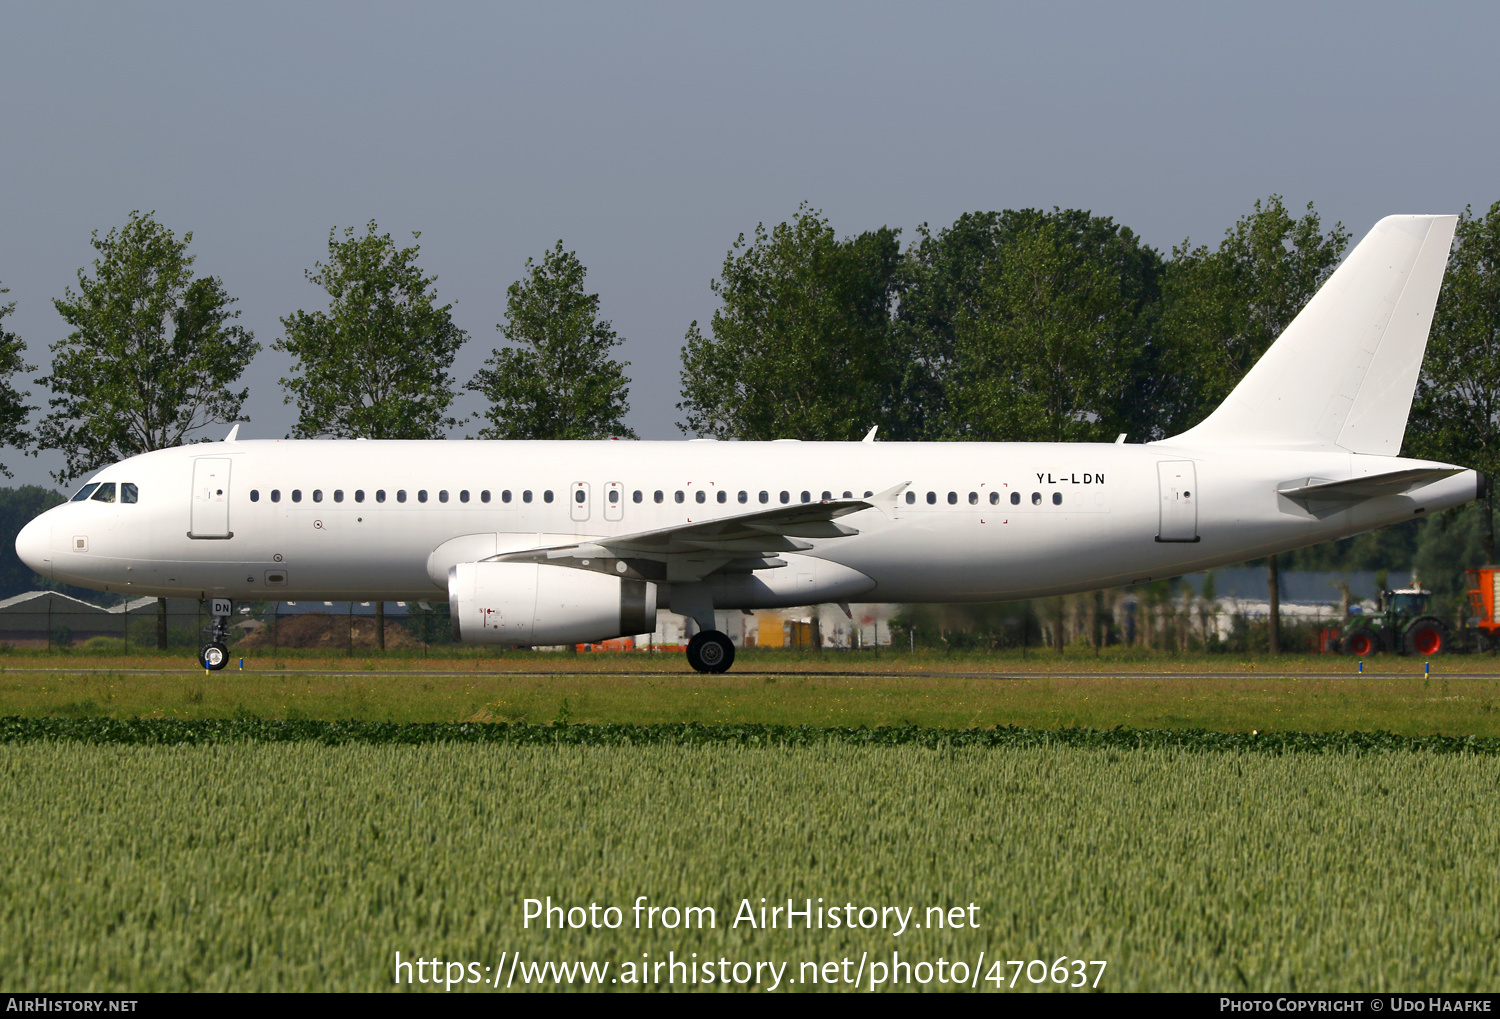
885, 501
870, 435
232, 433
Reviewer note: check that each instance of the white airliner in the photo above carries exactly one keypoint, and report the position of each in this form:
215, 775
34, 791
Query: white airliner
540, 543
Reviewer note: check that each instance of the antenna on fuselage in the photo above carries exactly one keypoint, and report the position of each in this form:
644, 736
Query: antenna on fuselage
232, 433
870, 435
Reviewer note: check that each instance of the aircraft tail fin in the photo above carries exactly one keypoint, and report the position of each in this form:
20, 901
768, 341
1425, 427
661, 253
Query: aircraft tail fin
1344, 372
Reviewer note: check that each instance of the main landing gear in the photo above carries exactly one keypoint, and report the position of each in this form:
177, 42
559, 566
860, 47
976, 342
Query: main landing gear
215, 654
710, 651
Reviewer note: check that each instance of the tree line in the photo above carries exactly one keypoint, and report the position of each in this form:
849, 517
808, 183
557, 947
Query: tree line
1020, 325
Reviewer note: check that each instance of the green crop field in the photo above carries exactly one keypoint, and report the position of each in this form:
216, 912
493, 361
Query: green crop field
1285, 824
255, 865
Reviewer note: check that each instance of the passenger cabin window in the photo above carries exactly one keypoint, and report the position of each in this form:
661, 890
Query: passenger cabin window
443, 495
86, 491
637, 495
255, 495
868, 494
657, 496
400, 495
547, 495
994, 498
579, 497
952, 498
807, 497
104, 493
765, 497
505, 496
275, 495
1015, 498
973, 498
827, 496
421, 495
317, 495
1036, 498
359, 495
932, 498
296, 495
1057, 498
526, 495
463, 496
744, 497
338, 495
850, 495
380, 495
723, 495
786, 497
701, 496
484, 496
614, 496
911, 498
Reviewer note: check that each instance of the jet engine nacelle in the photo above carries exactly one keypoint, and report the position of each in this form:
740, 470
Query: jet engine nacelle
528, 604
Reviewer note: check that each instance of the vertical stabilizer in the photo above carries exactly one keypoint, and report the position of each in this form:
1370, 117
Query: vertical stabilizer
1344, 372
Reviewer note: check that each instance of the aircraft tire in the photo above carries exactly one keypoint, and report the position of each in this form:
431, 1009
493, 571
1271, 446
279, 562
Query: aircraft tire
1426, 637
710, 651
213, 656
1362, 643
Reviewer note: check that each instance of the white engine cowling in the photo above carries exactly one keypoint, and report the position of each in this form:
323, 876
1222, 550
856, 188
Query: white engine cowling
528, 604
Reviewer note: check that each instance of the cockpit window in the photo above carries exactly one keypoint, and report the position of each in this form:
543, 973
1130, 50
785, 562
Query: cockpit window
128, 491
86, 491
104, 493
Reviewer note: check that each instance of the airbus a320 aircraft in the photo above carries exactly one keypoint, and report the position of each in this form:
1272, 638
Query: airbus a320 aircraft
540, 543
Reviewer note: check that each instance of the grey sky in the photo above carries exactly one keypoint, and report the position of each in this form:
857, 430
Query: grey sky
647, 136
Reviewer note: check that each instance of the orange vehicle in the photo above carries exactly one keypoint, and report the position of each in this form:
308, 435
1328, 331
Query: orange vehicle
1483, 599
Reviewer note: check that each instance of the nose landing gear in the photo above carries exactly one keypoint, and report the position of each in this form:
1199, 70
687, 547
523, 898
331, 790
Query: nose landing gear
215, 654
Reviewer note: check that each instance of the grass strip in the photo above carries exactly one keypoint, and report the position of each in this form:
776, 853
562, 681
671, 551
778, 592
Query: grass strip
173, 732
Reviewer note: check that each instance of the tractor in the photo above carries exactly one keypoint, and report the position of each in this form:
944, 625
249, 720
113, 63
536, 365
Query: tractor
1400, 624
1484, 599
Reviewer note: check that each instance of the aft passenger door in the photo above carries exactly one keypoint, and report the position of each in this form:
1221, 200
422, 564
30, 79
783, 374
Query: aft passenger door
210, 498
1178, 481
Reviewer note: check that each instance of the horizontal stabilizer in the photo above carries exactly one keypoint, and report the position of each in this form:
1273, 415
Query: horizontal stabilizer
1371, 486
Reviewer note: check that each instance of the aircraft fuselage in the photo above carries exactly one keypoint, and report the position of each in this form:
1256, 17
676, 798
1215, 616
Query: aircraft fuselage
361, 520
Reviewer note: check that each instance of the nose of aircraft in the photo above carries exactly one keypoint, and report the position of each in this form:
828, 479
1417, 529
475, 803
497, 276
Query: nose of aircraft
34, 545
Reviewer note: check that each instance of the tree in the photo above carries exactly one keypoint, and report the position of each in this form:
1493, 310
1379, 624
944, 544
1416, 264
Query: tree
559, 381
1223, 308
375, 364
152, 355
800, 348
1043, 350
1456, 412
13, 406
952, 282
123, 382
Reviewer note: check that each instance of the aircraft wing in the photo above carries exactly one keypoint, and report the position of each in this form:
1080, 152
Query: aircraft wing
691, 551
1369, 487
